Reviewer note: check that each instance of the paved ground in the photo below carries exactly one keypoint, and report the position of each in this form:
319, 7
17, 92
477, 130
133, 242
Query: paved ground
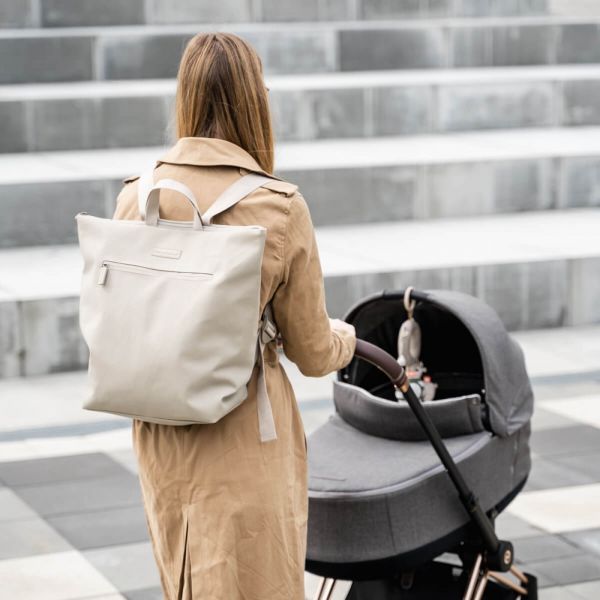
72, 523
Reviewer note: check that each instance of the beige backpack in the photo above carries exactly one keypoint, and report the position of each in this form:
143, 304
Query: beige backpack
170, 310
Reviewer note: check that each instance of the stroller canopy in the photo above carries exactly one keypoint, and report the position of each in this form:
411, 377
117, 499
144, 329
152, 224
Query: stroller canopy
380, 500
465, 348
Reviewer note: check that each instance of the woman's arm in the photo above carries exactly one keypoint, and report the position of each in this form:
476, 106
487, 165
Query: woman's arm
317, 344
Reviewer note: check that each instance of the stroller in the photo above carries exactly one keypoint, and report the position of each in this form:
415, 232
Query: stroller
384, 514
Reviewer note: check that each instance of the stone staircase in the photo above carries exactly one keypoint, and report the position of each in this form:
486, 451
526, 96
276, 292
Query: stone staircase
451, 143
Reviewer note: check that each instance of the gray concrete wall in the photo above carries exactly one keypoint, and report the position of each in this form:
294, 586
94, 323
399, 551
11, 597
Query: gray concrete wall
72, 13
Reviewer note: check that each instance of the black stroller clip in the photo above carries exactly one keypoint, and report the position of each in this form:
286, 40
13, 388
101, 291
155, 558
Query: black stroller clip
381, 509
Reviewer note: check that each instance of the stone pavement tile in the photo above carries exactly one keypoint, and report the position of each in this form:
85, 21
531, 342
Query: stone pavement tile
125, 457
566, 570
548, 473
128, 567
12, 507
311, 585
45, 447
543, 361
545, 419
558, 593
154, 593
512, 528
566, 440
585, 409
588, 540
34, 409
543, 344
79, 496
314, 418
307, 388
569, 385
560, 510
102, 528
585, 591
27, 537
60, 468
100, 441
544, 547
65, 430
340, 592
55, 576
588, 464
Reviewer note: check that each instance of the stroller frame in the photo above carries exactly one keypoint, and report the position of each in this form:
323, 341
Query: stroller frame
493, 558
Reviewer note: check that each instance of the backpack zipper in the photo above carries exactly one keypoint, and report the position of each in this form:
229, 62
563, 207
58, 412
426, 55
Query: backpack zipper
141, 270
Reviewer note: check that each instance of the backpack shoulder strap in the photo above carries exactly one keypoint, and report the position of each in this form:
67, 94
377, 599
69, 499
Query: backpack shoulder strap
267, 332
145, 184
233, 194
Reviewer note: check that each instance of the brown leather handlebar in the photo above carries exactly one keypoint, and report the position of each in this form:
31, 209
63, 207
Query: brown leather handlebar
384, 361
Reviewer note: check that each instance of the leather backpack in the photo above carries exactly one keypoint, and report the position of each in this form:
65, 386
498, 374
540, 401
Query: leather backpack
169, 310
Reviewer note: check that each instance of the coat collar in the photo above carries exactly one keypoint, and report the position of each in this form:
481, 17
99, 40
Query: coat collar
204, 151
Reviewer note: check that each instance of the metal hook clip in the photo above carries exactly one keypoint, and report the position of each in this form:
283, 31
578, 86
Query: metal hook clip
409, 304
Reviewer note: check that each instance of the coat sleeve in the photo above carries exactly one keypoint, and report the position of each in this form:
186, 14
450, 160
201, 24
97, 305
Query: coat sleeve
309, 338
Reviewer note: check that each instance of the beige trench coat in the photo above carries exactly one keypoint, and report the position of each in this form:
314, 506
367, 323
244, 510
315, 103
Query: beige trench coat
226, 513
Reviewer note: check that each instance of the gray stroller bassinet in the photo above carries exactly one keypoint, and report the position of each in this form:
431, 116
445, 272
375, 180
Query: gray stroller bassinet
382, 506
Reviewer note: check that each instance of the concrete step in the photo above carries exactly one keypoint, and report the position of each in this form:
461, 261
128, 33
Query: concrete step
344, 181
69, 13
61, 13
539, 270
154, 51
108, 114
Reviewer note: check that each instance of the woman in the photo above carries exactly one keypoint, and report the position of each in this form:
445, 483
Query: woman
226, 513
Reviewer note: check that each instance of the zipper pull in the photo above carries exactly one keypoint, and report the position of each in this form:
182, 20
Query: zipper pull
103, 273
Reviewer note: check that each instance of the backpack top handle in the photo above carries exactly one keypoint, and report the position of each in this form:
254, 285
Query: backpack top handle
148, 196
151, 205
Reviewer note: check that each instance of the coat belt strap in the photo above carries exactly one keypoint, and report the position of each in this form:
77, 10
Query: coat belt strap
266, 334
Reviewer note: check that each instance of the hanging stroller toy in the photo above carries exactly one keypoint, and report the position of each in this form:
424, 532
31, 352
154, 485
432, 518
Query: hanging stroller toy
383, 513
409, 352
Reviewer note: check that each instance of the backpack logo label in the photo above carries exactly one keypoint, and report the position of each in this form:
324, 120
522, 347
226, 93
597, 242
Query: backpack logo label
166, 252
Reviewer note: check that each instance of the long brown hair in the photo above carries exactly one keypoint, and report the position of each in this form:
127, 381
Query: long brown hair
221, 94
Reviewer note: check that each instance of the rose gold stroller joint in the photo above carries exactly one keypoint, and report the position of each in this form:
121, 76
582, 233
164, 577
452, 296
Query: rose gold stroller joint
408, 475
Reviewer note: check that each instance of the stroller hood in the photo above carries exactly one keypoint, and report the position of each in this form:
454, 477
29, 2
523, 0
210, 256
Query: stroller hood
460, 334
